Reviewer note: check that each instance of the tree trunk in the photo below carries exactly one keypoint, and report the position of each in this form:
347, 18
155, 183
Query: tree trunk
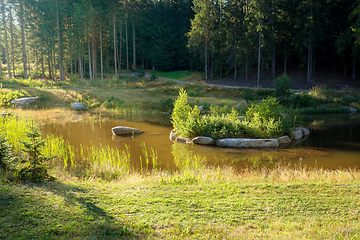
6, 40
61, 77
127, 46
354, 70
134, 46
89, 53
49, 64
273, 64
120, 46
309, 64
80, 68
259, 57
22, 26
42, 65
206, 59
93, 53
101, 57
212, 65
115, 45
28, 53
12, 39
285, 60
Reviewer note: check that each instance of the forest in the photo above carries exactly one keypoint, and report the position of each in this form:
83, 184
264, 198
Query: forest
90, 38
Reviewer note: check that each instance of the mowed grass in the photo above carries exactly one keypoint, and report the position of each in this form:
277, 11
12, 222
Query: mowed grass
186, 206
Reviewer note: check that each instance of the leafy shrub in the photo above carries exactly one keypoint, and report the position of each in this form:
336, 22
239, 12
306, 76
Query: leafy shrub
88, 100
166, 104
248, 94
7, 96
7, 158
282, 86
112, 103
180, 112
303, 100
153, 77
34, 168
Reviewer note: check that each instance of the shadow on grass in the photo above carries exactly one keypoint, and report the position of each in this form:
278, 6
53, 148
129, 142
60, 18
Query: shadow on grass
52, 210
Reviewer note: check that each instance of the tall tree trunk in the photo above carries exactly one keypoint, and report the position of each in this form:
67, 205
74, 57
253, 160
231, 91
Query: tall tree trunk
42, 65
221, 30
120, 47
206, 59
101, 57
127, 45
61, 77
89, 53
54, 65
259, 57
309, 64
212, 64
285, 60
93, 54
354, 69
235, 41
12, 39
80, 68
134, 46
115, 46
28, 53
49, 63
273, 63
22, 26
6, 40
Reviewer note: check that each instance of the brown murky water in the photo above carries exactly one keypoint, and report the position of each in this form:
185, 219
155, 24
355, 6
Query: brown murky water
331, 145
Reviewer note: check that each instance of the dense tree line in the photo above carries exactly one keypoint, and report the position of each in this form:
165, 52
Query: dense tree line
52, 38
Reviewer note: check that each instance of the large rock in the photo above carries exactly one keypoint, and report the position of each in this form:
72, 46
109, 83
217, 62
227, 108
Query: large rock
203, 140
173, 135
78, 106
304, 131
182, 140
23, 101
240, 105
350, 109
284, 140
247, 143
296, 134
121, 130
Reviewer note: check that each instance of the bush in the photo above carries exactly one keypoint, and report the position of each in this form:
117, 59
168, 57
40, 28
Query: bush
180, 112
7, 158
282, 86
7, 96
112, 103
166, 104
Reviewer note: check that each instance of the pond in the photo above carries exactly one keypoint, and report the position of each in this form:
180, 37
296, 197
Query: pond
334, 143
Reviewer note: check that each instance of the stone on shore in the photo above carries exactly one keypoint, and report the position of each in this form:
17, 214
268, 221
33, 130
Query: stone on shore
173, 135
122, 130
296, 134
247, 143
23, 101
182, 140
304, 131
78, 106
350, 109
203, 140
284, 140
241, 104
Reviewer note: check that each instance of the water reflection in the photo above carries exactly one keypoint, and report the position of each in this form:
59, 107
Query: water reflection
333, 144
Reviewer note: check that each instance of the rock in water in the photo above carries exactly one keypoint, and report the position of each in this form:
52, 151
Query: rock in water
203, 141
247, 143
78, 106
121, 130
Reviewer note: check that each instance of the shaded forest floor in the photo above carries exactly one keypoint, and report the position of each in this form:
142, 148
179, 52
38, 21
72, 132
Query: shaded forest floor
323, 78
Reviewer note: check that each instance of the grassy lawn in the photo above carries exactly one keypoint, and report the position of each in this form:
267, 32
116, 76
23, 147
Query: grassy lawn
183, 207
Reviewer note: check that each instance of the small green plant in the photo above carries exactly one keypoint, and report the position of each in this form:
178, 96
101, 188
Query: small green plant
7, 158
112, 103
180, 112
34, 167
282, 86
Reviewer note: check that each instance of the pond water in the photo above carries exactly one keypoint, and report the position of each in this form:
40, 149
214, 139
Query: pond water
334, 143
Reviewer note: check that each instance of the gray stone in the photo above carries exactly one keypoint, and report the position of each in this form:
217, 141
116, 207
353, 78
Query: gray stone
284, 140
182, 140
201, 108
121, 130
296, 134
304, 131
203, 140
23, 101
247, 143
241, 117
173, 135
78, 106
241, 104
350, 109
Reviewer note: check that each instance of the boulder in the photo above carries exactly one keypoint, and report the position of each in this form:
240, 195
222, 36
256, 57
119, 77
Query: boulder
241, 117
78, 106
284, 140
23, 101
201, 108
121, 130
173, 135
247, 143
304, 131
241, 104
203, 141
296, 134
182, 140
350, 109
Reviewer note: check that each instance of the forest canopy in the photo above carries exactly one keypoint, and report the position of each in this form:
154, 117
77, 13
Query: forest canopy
53, 38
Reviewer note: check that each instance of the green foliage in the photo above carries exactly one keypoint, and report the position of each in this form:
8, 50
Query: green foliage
34, 168
282, 86
7, 158
7, 96
180, 112
165, 105
88, 99
112, 103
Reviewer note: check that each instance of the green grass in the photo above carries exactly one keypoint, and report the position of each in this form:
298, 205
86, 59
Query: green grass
184, 75
156, 207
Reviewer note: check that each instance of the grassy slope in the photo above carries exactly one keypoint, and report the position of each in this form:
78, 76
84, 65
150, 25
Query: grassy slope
151, 208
